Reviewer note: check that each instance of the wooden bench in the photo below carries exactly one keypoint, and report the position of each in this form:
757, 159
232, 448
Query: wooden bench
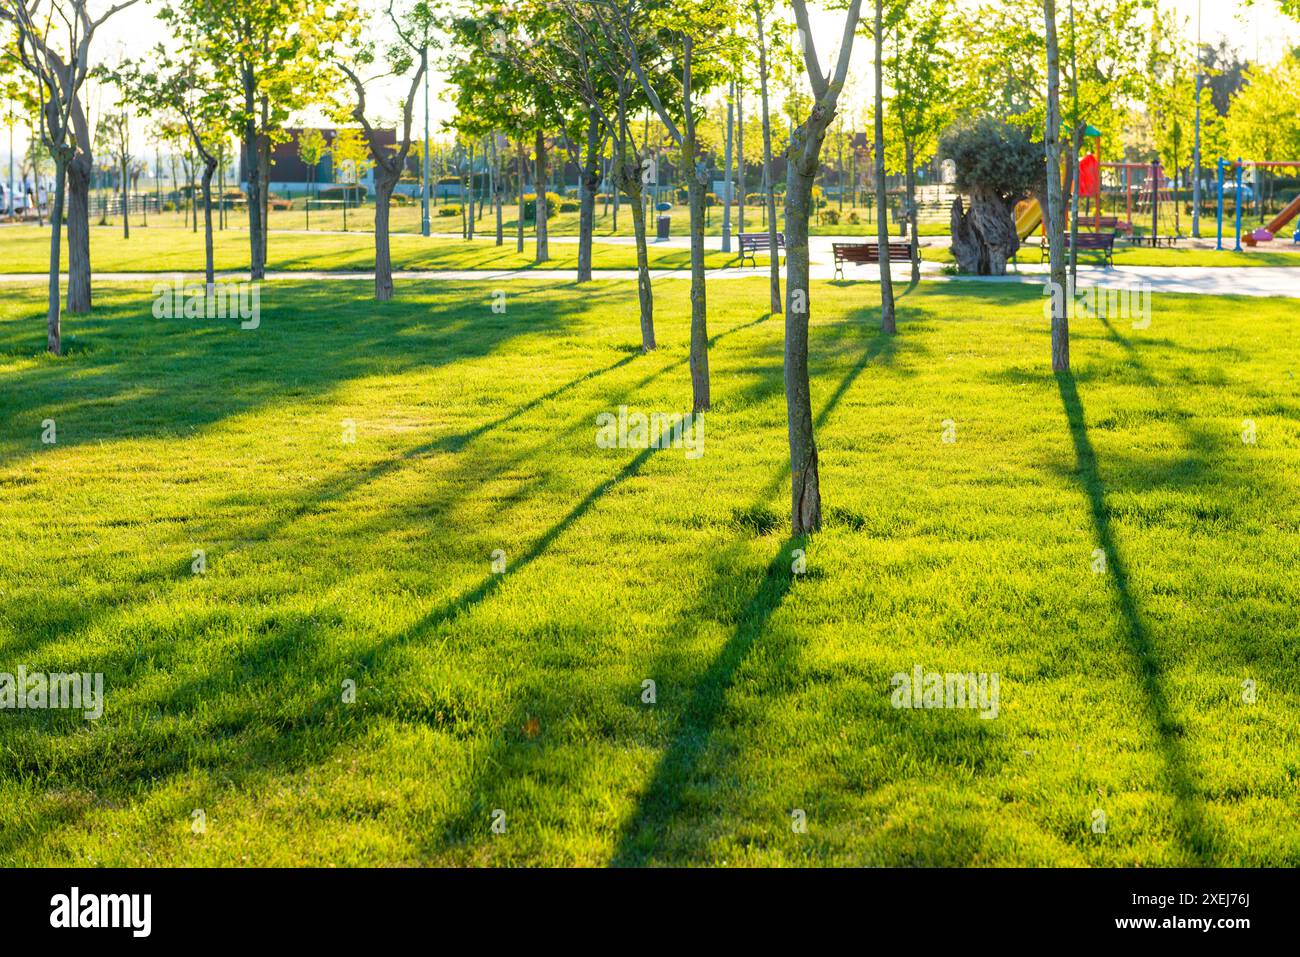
751, 243
1103, 243
863, 254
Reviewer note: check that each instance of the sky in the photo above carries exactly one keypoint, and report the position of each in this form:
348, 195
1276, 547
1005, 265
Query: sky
134, 31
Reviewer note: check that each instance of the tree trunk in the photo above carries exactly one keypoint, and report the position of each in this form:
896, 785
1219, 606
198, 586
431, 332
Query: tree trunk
542, 214
805, 492
53, 335
887, 321
587, 197
126, 218
912, 217
209, 267
519, 223
256, 248
769, 186
78, 202
497, 198
695, 178
1055, 207
644, 294
740, 157
726, 172
385, 182
984, 236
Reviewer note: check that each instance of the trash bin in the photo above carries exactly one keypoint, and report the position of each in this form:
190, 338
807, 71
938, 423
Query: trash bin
663, 223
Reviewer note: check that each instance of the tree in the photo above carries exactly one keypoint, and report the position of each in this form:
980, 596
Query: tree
1055, 223
923, 105
769, 185
414, 28
312, 148
1264, 121
706, 19
996, 166
267, 57
802, 164
351, 162
52, 40
52, 43
887, 319
114, 135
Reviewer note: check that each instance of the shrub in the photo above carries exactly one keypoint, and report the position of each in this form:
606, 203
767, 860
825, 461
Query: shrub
756, 199
993, 158
853, 217
530, 205
449, 211
831, 217
569, 206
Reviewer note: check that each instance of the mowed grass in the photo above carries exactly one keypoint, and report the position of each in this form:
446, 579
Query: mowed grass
370, 562
162, 249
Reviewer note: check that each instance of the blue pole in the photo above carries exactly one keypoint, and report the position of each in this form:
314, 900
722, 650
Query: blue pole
1240, 169
1219, 245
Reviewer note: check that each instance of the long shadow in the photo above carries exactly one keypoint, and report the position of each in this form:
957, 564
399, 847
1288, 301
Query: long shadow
1194, 834
663, 796
662, 799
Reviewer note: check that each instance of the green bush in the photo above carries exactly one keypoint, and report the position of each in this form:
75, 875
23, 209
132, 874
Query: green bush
756, 199
449, 211
711, 199
530, 206
853, 217
993, 157
568, 206
831, 217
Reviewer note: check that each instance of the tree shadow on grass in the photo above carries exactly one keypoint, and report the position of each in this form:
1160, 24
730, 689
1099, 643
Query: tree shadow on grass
1195, 835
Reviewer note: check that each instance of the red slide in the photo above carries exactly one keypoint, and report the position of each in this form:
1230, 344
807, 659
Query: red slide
1288, 214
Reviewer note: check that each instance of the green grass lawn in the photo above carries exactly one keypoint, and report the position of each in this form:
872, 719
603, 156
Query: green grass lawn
167, 249
330, 561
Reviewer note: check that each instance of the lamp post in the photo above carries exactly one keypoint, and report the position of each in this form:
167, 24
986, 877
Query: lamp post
1196, 161
424, 199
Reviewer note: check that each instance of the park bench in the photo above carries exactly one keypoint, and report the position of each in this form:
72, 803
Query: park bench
863, 254
751, 243
1103, 243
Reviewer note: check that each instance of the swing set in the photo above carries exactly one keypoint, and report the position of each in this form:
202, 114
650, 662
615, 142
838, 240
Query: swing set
1266, 233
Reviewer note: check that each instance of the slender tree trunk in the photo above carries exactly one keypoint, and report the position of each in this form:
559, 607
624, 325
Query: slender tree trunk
695, 177
726, 174
912, 216
78, 202
256, 246
805, 496
769, 187
740, 157
543, 244
209, 267
887, 320
587, 197
1072, 192
53, 335
126, 218
497, 190
519, 224
1060, 297
385, 183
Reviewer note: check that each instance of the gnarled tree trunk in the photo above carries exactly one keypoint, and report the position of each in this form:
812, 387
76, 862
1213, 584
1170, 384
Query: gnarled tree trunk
983, 235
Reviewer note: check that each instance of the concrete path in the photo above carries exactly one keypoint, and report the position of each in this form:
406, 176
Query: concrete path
1262, 281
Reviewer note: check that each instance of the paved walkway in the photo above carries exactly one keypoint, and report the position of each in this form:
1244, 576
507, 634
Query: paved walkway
1262, 281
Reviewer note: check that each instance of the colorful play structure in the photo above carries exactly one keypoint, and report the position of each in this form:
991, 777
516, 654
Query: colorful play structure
1269, 232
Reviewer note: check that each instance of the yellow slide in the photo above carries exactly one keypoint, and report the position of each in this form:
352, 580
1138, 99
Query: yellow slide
1029, 216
